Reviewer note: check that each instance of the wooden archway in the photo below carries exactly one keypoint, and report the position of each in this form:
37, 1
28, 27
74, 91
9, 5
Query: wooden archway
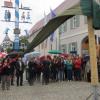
85, 46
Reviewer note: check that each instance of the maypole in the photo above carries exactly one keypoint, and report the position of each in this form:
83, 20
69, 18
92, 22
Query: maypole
8, 19
16, 30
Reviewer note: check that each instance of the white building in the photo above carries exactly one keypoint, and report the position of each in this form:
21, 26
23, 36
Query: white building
7, 43
70, 37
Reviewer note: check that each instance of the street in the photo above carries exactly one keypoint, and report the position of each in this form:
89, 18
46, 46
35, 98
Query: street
52, 91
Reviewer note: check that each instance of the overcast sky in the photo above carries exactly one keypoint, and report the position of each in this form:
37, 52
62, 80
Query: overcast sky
38, 8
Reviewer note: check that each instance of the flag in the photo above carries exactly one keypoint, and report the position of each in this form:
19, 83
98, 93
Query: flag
52, 16
45, 22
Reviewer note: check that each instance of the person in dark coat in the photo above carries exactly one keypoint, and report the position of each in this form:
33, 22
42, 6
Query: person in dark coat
46, 71
12, 64
19, 71
32, 71
60, 65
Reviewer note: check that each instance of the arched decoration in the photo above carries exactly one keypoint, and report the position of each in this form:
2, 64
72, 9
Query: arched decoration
85, 46
85, 40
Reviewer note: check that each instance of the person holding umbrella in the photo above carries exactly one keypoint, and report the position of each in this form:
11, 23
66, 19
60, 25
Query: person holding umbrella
46, 71
19, 71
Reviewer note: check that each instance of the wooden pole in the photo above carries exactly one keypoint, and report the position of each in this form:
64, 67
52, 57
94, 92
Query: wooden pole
92, 51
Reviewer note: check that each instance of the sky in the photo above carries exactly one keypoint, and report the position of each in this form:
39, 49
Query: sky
38, 8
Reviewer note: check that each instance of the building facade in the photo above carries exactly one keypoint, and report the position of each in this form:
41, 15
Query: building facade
74, 36
70, 37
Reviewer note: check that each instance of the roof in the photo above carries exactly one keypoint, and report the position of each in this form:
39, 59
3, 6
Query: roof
6, 38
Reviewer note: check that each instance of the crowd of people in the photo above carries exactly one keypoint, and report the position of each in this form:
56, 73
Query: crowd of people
45, 69
60, 69
9, 68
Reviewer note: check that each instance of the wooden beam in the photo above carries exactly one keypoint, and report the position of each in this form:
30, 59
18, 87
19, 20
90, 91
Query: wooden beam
92, 51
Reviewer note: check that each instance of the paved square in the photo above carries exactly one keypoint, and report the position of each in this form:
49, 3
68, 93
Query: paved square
52, 91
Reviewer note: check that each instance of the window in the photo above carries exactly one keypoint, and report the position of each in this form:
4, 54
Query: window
46, 43
69, 47
10, 45
63, 28
75, 22
60, 29
71, 23
72, 47
63, 48
42, 45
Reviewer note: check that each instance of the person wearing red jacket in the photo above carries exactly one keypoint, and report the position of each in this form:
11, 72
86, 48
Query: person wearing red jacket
77, 68
5, 75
